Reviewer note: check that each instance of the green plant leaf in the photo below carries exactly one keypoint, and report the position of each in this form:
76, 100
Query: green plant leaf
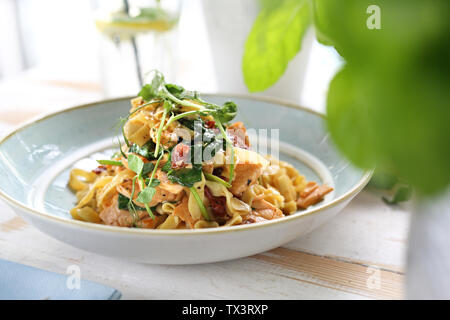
168, 165
110, 162
154, 183
181, 93
402, 194
383, 180
153, 89
135, 164
147, 150
146, 195
123, 203
389, 106
226, 112
148, 167
186, 177
274, 40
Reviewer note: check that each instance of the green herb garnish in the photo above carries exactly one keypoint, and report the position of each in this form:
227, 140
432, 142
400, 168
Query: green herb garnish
187, 177
147, 150
123, 203
212, 177
135, 164
110, 162
167, 108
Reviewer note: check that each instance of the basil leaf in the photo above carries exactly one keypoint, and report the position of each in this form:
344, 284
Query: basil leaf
146, 195
124, 201
186, 177
274, 40
135, 164
110, 162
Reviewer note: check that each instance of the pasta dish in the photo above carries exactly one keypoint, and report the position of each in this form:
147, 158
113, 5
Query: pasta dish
184, 164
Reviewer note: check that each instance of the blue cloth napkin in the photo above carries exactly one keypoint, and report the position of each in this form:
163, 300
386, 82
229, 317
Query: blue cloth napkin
18, 281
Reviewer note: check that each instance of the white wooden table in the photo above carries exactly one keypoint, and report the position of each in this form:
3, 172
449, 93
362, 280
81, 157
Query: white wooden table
357, 255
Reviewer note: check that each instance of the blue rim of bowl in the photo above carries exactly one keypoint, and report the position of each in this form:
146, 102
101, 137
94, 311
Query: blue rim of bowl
367, 174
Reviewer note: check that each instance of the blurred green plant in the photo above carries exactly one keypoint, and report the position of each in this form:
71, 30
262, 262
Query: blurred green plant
389, 105
274, 40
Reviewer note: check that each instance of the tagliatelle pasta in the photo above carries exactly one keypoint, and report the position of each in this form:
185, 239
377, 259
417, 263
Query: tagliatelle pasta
184, 165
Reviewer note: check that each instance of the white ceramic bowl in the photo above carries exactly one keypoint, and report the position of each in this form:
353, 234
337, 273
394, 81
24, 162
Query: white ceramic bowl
35, 160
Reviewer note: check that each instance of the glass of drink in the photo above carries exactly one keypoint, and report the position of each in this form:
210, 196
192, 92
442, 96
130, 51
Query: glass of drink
135, 37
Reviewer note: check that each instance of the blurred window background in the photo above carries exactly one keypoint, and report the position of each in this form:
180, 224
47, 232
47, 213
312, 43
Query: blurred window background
48, 43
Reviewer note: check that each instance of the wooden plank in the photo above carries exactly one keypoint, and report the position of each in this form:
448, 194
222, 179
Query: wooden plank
367, 231
338, 273
278, 274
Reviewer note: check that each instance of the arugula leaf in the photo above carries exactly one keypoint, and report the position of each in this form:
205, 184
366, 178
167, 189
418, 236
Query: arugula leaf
181, 93
135, 164
186, 177
188, 123
274, 40
147, 150
154, 183
168, 165
148, 167
110, 162
123, 203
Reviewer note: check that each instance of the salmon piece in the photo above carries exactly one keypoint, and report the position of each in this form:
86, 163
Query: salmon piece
238, 135
165, 191
113, 216
182, 211
150, 223
266, 210
252, 218
314, 197
208, 168
245, 174
310, 187
263, 211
